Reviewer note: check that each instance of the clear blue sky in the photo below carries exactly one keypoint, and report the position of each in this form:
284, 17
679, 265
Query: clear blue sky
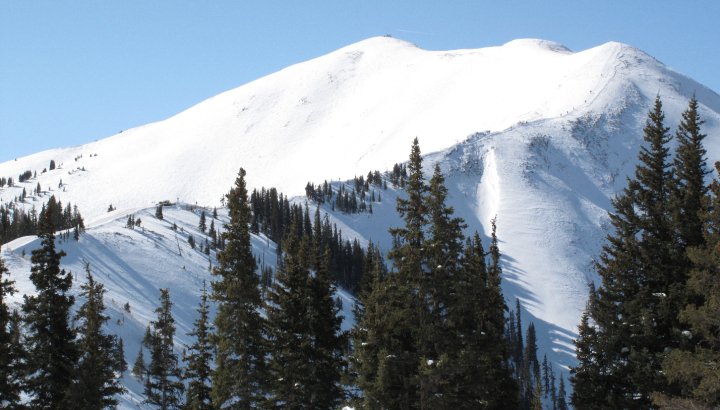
75, 71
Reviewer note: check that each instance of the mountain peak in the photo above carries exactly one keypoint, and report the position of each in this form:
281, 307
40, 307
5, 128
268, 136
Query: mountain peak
379, 42
535, 43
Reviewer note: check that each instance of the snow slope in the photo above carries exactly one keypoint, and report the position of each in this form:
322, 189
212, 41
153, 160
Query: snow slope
529, 132
133, 264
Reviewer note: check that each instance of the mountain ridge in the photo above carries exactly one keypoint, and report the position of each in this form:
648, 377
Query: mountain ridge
530, 133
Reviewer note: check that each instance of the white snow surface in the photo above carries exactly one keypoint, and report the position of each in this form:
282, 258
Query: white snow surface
529, 132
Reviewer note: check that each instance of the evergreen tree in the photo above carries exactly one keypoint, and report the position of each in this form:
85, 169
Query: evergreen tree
485, 379
96, 383
690, 170
10, 377
695, 366
163, 386
139, 369
304, 329
588, 374
328, 340
52, 352
202, 224
119, 355
199, 359
369, 328
401, 355
239, 378
561, 403
637, 307
159, 212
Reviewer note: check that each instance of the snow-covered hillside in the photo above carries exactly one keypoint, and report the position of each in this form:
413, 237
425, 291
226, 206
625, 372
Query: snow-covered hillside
529, 132
133, 264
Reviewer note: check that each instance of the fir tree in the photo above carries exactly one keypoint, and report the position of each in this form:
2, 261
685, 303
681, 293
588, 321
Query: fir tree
49, 339
199, 359
328, 340
119, 355
588, 374
304, 330
696, 365
485, 379
202, 224
239, 378
96, 383
10, 377
139, 369
690, 170
561, 403
637, 307
163, 385
401, 354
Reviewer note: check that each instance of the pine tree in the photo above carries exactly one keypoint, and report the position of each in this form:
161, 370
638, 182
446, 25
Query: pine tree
119, 355
10, 377
484, 377
49, 339
690, 170
696, 365
437, 340
561, 403
159, 212
546, 376
199, 359
96, 383
401, 355
637, 307
328, 340
304, 330
588, 374
240, 373
163, 385
139, 369
202, 224
369, 327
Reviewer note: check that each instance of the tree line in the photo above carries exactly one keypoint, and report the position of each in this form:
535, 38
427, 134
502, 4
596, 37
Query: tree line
432, 329
16, 222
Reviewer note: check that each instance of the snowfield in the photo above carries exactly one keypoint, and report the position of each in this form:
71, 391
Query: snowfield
529, 132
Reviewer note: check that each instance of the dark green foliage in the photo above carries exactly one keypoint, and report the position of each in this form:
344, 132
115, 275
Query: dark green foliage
633, 319
199, 361
304, 331
561, 395
273, 215
119, 355
430, 334
10, 349
695, 367
240, 373
163, 385
49, 338
202, 224
139, 369
328, 342
96, 384
690, 170
588, 374
14, 222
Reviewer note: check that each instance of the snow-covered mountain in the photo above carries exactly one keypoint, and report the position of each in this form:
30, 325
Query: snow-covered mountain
529, 132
